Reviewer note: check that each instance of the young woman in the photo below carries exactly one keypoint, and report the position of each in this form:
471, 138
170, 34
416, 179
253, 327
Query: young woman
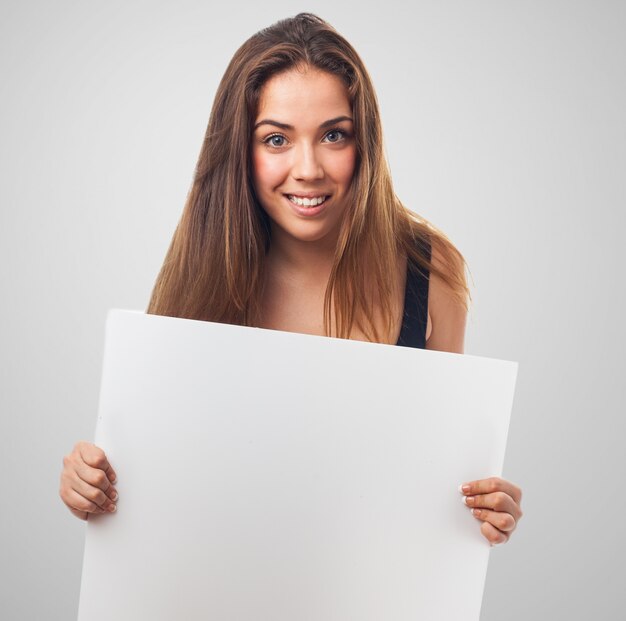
292, 224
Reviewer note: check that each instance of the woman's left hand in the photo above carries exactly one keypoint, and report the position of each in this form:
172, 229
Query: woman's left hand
496, 503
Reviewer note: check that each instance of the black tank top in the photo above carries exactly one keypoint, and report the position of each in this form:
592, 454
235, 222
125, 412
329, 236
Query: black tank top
415, 319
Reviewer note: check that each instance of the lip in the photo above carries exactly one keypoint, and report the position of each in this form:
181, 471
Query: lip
307, 194
309, 212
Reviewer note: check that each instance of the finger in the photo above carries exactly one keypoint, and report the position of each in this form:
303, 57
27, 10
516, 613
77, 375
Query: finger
79, 514
94, 456
504, 522
492, 534
75, 501
491, 485
96, 478
498, 501
94, 494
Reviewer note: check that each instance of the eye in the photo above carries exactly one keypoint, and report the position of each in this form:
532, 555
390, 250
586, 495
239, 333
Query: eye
337, 131
270, 140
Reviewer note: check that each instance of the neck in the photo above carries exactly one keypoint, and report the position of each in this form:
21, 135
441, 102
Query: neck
307, 260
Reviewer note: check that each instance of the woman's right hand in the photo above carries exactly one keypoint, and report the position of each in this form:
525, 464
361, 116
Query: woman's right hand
87, 481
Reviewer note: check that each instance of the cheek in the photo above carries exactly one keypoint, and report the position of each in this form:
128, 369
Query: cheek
343, 165
267, 170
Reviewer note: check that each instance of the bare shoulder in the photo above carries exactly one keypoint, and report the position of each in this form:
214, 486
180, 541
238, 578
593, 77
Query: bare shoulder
446, 317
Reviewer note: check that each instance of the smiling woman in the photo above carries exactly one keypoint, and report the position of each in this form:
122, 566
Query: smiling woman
296, 117
292, 224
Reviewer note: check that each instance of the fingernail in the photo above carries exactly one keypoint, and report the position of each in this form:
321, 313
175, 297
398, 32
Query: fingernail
114, 496
112, 508
468, 499
465, 488
476, 512
114, 479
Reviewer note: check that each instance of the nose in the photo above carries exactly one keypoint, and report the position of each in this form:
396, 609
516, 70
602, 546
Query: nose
306, 163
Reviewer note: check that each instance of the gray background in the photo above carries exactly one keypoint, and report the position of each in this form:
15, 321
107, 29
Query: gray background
504, 125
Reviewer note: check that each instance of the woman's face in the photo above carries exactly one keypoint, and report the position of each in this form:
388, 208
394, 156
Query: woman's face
303, 145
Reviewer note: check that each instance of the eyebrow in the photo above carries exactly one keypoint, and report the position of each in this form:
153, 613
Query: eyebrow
286, 126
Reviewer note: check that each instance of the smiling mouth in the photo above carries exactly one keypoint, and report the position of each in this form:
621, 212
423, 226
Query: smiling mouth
308, 202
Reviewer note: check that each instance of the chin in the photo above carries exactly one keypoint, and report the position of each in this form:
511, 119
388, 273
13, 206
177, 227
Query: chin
309, 233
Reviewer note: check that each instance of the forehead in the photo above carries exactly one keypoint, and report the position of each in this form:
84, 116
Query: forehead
294, 96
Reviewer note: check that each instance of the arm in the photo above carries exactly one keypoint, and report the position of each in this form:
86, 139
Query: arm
445, 330
495, 502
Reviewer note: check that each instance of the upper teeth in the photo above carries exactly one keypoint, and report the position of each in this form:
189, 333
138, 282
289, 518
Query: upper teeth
306, 201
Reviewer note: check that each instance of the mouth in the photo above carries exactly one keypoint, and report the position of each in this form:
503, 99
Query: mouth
307, 202
315, 207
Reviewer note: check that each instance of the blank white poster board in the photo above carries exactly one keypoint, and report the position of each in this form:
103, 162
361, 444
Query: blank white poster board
273, 476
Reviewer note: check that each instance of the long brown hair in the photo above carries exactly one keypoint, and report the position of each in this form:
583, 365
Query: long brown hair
214, 267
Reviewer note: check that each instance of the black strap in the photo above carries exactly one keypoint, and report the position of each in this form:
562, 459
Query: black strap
415, 319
